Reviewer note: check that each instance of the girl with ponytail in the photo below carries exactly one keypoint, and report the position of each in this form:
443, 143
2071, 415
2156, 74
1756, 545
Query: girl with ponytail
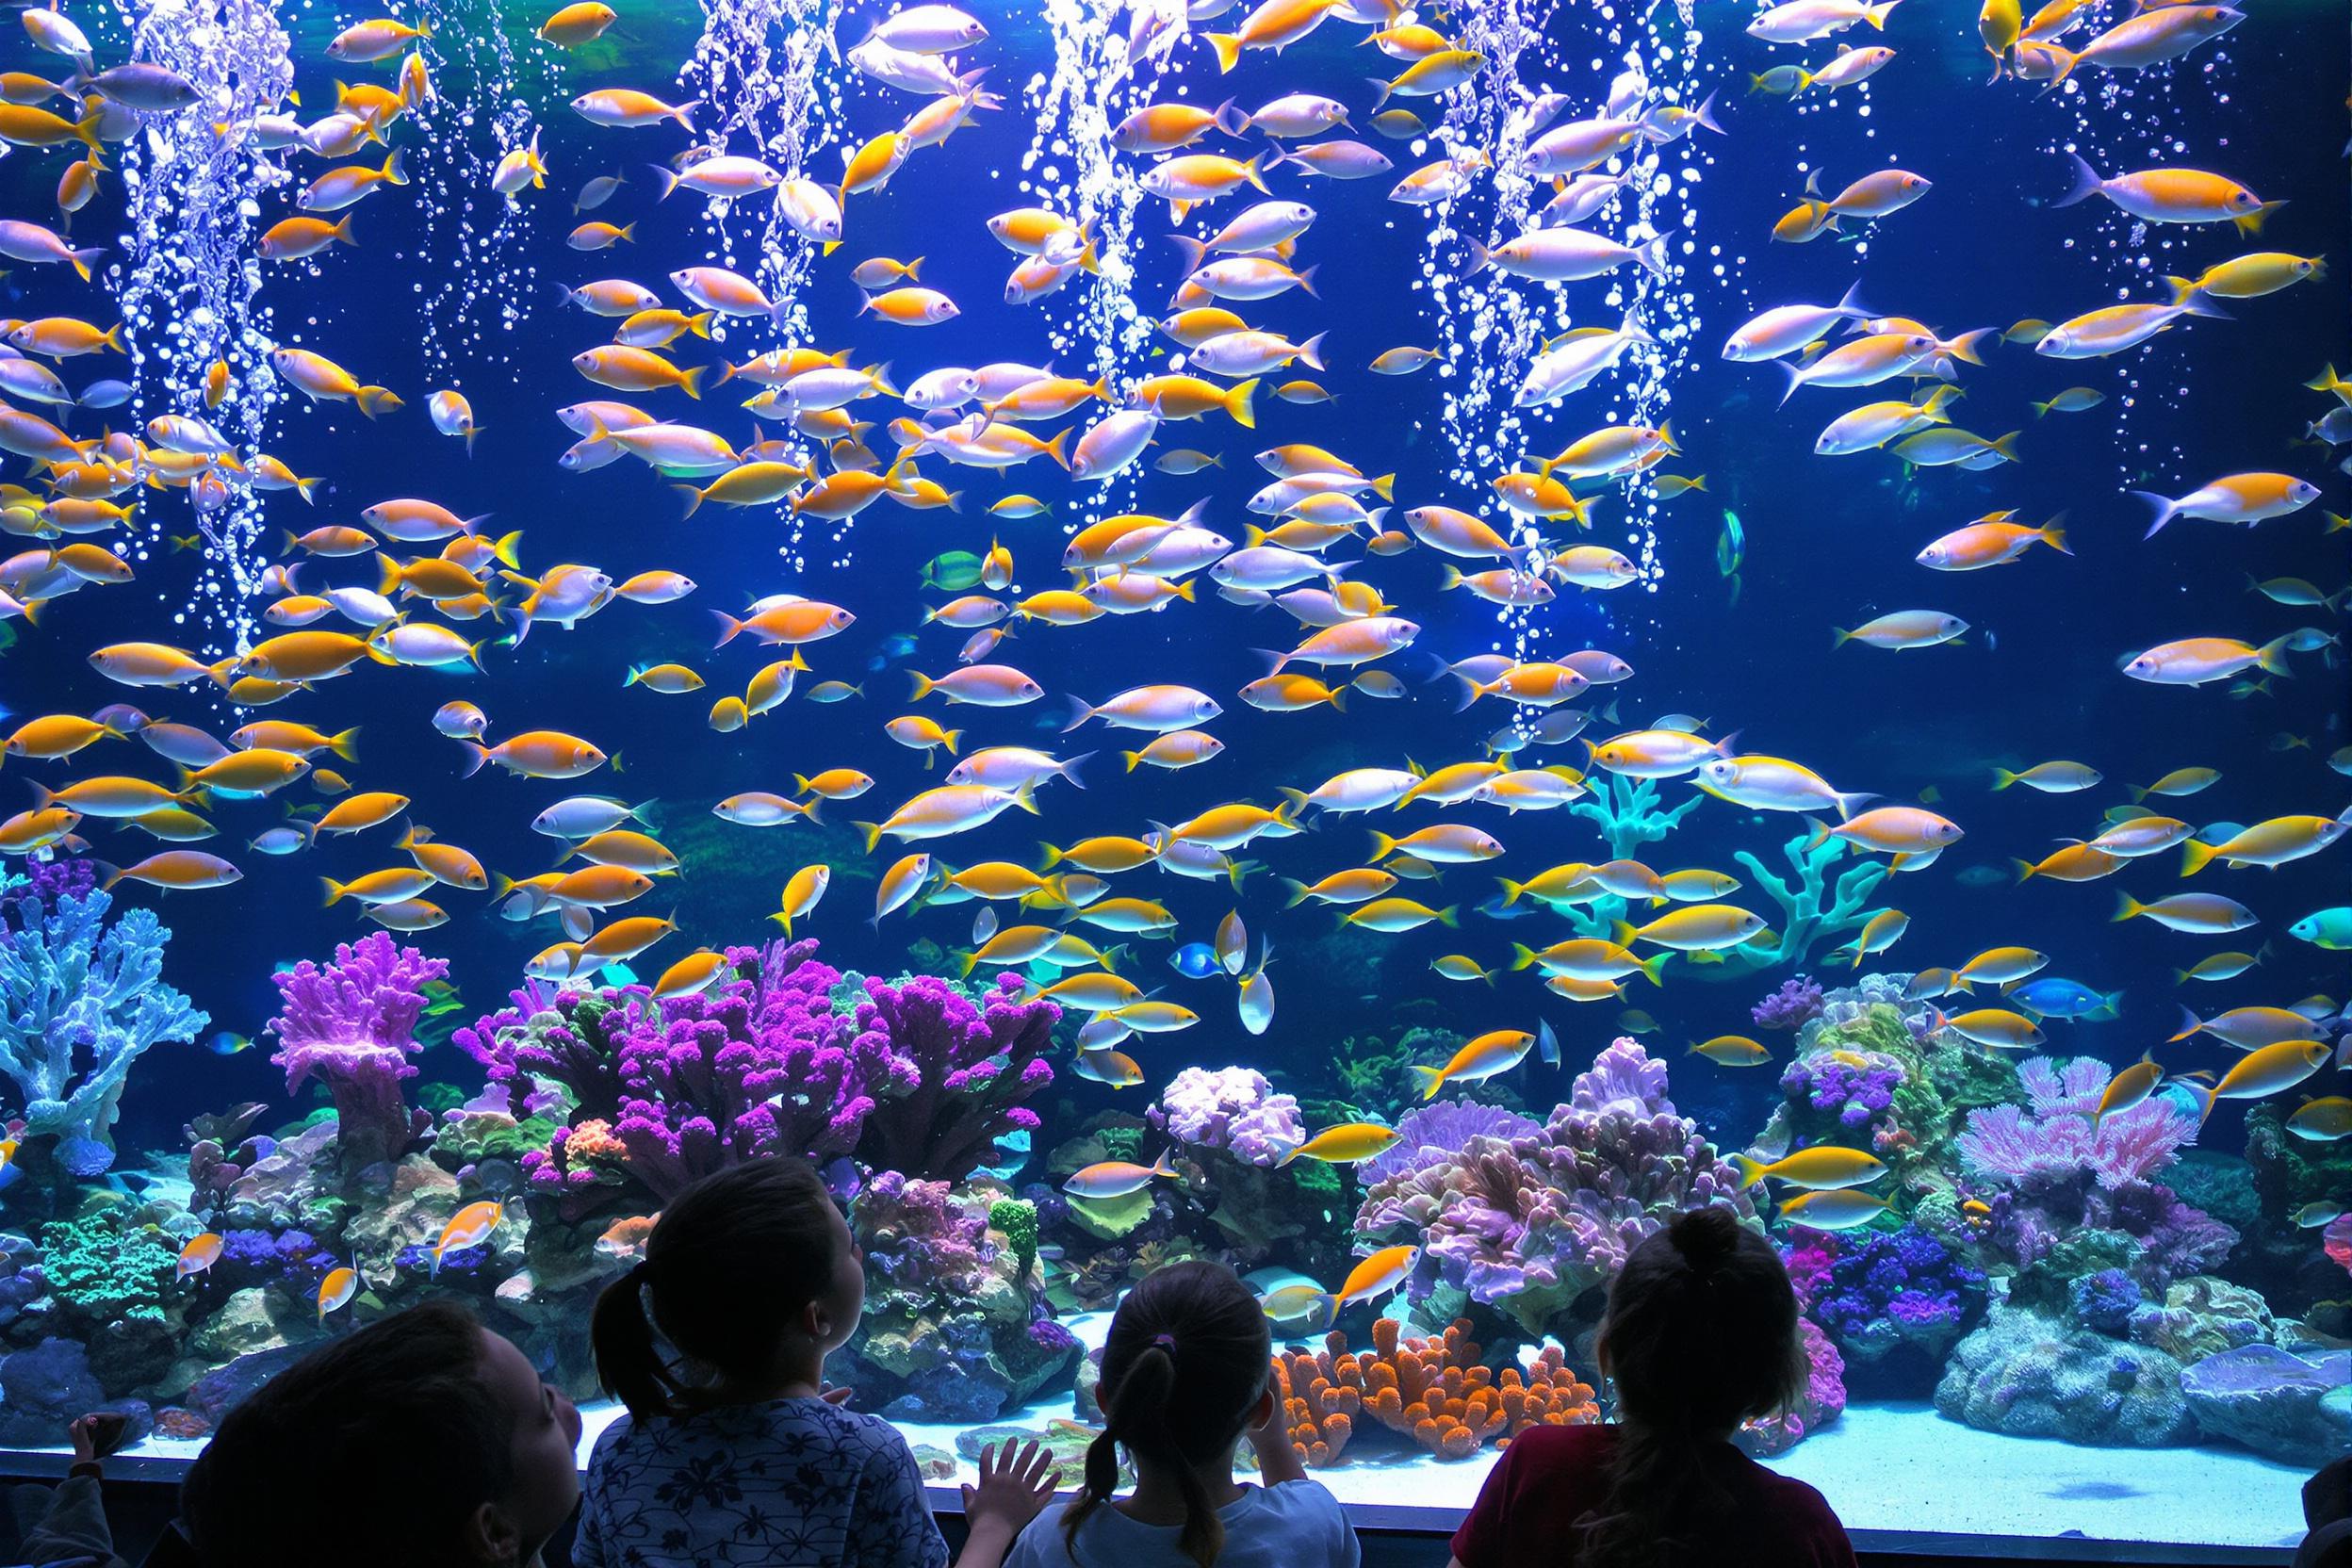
1700, 1336
733, 1451
1186, 1376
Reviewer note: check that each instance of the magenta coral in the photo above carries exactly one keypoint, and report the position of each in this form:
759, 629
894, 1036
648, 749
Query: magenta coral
948, 1074
352, 1024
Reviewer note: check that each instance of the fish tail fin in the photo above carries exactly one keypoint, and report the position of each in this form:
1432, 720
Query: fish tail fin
1196, 251
373, 400
1306, 284
476, 755
345, 743
1480, 259
1432, 1079
2190, 1024
689, 382
1750, 1172
2127, 907
692, 498
2006, 445
2251, 223
2002, 779
1654, 967
922, 684
2196, 855
948, 738
334, 893
2165, 510
1227, 47
1310, 352
732, 625
1382, 845
2086, 183
1385, 487
1876, 15
1053, 449
392, 174
1237, 401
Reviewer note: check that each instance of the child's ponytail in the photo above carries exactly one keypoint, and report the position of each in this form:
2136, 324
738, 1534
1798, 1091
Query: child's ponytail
629, 1359
730, 1264
1188, 1356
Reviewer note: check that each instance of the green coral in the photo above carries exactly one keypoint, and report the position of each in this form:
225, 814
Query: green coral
1314, 1176
1111, 1218
96, 1267
490, 1136
1017, 1218
440, 1098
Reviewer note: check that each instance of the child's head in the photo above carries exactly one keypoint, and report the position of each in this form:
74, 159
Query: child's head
1700, 1334
750, 1272
1701, 1329
1186, 1372
422, 1441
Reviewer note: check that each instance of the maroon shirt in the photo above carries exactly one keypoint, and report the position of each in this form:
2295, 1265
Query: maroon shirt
1551, 1477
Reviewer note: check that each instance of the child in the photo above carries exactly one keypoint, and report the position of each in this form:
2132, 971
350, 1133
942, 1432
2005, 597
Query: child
1700, 1335
422, 1441
748, 1460
1186, 1374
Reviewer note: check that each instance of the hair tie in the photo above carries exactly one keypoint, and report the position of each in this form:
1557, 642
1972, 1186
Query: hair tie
1166, 1342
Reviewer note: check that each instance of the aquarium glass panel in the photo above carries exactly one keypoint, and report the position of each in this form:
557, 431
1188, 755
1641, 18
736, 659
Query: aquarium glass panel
1384, 646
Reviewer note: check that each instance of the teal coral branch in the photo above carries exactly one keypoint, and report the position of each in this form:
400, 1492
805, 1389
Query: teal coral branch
1804, 919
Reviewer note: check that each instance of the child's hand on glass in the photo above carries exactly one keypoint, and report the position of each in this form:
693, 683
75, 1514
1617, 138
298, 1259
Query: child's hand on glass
1016, 1483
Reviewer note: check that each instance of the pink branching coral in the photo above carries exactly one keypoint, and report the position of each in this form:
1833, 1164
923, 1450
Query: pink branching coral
2055, 1136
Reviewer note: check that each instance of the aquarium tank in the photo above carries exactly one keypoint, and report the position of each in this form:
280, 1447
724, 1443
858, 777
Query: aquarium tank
1384, 644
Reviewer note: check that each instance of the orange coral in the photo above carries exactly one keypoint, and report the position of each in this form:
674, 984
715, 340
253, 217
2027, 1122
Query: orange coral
593, 1140
1434, 1390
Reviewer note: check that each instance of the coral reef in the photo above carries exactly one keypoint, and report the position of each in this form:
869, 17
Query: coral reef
1821, 1401
1234, 1109
1876, 1292
2031, 1375
949, 1072
352, 1024
1435, 1391
1528, 1224
2294, 1410
80, 1001
956, 1327
1796, 1004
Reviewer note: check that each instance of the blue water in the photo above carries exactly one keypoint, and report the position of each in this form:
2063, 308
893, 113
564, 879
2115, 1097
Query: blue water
1828, 543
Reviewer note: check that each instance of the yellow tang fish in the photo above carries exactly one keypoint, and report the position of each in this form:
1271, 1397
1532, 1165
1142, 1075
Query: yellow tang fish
1495, 1051
1348, 1143
1821, 1168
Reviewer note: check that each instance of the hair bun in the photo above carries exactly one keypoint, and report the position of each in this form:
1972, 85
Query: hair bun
1705, 1236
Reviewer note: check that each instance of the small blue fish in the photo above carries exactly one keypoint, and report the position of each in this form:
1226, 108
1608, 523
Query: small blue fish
1546, 1043
1194, 960
228, 1043
2048, 996
105, 394
1495, 908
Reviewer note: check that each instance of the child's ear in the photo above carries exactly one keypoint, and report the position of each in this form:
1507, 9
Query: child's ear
815, 1321
1268, 1405
490, 1536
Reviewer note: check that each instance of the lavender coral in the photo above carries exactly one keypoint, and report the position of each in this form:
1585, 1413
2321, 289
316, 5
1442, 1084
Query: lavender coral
949, 1073
352, 1025
1877, 1291
1234, 1109
1528, 1223
80, 1001
1796, 1004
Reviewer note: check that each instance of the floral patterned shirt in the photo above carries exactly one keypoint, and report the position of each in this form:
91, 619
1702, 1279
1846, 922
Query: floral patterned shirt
791, 1483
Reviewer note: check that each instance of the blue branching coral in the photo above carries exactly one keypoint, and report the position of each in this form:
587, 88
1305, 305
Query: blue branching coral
80, 1000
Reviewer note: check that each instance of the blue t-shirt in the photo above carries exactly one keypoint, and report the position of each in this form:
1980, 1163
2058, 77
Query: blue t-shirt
1295, 1524
795, 1481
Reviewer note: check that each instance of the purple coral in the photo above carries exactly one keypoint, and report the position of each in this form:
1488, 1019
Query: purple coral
1796, 1004
949, 1074
1857, 1088
1873, 1290
1437, 1132
352, 1025
1232, 1108
917, 1237
1529, 1222
1823, 1400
